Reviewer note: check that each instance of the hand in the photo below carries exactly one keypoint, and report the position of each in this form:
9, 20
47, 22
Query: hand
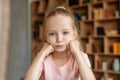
74, 46
46, 49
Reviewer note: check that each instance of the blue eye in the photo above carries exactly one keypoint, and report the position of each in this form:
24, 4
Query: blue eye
65, 32
51, 34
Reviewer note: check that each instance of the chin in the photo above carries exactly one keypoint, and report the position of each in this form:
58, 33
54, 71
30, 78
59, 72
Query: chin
60, 50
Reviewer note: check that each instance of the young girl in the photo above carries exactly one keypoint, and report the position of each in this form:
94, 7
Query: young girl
60, 57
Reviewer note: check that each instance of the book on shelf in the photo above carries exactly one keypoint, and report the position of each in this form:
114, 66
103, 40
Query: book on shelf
116, 48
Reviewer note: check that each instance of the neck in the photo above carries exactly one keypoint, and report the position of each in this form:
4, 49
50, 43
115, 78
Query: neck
60, 58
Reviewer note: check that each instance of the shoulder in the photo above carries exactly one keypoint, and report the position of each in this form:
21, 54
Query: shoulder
48, 60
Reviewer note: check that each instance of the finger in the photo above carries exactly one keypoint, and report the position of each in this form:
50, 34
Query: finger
51, 49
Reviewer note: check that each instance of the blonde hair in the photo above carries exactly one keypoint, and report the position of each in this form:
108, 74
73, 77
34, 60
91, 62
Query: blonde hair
60, 10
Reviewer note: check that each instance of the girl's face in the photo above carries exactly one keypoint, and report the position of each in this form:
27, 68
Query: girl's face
59, 32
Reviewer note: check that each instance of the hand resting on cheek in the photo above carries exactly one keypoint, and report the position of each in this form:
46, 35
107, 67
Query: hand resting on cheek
46, 49
74, 46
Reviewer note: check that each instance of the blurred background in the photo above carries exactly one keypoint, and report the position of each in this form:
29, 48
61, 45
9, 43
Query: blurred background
98, 23
15, 38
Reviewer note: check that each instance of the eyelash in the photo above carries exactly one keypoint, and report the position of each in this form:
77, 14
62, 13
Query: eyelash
65, 32
53, 34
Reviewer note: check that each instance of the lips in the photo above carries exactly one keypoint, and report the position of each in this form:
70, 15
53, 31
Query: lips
59, 46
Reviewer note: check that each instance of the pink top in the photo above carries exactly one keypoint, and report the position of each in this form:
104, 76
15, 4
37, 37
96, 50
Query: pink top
68, 71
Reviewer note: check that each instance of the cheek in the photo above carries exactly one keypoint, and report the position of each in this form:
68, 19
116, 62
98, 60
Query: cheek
69, 38
50, 40
47, 38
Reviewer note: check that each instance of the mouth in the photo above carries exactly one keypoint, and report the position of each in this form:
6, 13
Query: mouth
59, 46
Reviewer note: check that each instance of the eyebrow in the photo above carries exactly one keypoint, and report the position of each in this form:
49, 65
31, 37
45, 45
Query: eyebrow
55, 30
62, 30
50, 30
66, 29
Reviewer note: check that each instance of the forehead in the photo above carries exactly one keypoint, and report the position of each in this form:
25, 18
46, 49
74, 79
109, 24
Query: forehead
59, 21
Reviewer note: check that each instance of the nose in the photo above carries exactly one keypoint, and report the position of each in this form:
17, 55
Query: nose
59, 37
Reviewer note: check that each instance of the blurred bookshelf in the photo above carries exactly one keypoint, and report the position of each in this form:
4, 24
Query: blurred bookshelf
99, 24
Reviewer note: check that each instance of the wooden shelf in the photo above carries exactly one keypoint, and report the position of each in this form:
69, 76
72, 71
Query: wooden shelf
102, 42
108, 1
115, 36
113, 72
96, 41
99, 71
108, 19
108, 71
